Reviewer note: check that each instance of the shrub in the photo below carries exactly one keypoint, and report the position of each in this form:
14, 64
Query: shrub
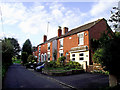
61, 61
74, 65
31, 58
50, 64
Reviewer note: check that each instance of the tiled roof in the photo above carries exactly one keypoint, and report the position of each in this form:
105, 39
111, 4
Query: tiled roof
76, 30
51, 39
81, 28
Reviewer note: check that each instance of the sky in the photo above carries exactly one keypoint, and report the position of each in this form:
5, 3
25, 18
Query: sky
29, 20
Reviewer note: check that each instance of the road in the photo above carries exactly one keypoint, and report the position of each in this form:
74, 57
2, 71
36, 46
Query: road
19, 77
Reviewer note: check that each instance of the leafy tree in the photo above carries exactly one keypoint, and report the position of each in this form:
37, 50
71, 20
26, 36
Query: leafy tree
7, 51
16, 46
115, 18
27, 47
108, 54
24, 57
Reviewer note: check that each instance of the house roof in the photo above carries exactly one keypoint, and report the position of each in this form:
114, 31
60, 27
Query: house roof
81, 28
50, 40
75, 30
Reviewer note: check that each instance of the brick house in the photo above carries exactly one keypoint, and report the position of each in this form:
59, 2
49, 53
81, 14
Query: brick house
46, 49
74, 44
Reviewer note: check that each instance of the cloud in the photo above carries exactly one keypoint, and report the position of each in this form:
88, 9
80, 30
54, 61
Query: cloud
32, 20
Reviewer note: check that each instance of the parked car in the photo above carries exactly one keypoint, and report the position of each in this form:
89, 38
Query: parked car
31, 65
38, 64
39, 68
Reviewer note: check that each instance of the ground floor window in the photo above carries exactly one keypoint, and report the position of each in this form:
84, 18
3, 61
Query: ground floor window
73, 57
61, 54
45, 57
39, 57
48, 57
81, 56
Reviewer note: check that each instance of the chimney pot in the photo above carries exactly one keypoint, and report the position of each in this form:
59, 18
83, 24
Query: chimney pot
44, 38
65, 30
59, 31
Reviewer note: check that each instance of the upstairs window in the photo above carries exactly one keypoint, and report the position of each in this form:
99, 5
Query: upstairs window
39, 48
61, 43
81, 38
48, 46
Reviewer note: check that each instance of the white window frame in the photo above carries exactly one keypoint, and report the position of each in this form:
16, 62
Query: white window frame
61, 41
81, 56
45, 57
73, 57
81, 39
48, 45
61, 52
39, 49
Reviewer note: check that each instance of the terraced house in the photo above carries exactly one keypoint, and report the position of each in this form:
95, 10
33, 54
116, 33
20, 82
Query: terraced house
74, 44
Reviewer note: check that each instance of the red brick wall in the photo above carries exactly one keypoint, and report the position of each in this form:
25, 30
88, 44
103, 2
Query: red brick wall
50, 51
95, 31
73, 42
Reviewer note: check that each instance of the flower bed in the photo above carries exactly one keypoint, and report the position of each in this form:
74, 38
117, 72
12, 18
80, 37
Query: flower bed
62, 72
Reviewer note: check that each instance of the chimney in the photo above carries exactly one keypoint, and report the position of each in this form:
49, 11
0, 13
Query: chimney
65, 30
59, 31
44, 38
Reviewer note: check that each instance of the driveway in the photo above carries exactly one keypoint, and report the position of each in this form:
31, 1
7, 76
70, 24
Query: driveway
85, 80
18, 76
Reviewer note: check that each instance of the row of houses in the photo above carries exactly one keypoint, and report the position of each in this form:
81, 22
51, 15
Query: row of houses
74, 44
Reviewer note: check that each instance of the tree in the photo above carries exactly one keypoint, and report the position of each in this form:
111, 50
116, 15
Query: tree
24, 57
108, 55
27, 47
26, 50
115, 18
16, 46
7, 51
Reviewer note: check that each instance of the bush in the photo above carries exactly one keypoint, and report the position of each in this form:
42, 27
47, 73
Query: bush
51, 64
31, 58
61, 61
74, 65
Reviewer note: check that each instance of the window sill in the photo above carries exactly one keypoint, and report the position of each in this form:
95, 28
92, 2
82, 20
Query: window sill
61, 48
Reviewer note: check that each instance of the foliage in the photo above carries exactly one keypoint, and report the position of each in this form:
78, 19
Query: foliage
24, 57
73, 64
61, 61
51, 64
16, 46
31, 58
7, 51
27, 47
26, 50
115, 18
108, 54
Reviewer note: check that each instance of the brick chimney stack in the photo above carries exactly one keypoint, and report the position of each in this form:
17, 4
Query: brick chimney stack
65, 30
59, 31
44, 38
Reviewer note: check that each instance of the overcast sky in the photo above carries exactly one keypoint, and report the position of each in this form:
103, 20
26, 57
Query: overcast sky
23, 20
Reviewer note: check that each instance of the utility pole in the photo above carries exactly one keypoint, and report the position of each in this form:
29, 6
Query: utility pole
47, 28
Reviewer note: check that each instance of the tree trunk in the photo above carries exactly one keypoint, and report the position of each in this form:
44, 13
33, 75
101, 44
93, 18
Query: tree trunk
112, 80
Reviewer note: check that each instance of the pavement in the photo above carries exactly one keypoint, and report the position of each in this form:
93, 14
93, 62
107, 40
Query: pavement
20, 77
